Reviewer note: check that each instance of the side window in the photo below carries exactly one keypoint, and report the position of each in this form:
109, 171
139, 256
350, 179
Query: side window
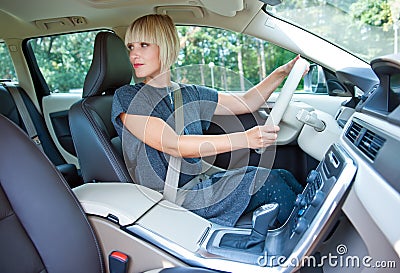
64, 59
227, 61
7, 71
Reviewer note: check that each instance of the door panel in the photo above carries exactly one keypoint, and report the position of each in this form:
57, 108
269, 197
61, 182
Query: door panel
60, 123
55, 111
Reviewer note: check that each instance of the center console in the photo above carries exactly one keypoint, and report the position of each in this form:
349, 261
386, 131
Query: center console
198, 242
325, 187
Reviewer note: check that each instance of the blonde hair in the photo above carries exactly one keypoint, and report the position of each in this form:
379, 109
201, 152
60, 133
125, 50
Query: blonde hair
156, 29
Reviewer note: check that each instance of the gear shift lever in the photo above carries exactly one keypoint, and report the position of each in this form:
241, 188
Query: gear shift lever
263, 218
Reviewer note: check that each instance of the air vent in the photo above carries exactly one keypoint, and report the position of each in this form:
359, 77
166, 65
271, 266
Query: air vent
368, 142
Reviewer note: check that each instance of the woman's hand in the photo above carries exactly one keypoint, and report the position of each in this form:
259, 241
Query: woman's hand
286, 68
261, 136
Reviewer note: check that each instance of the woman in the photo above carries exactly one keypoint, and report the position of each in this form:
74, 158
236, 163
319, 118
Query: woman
143, 116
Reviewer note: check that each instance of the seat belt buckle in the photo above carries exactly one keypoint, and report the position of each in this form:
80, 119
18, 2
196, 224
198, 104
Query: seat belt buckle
36, 139
118, 262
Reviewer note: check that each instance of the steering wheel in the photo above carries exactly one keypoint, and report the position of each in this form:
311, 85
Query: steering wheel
286, 94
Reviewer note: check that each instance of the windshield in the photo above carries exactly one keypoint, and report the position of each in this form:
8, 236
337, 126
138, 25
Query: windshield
366, 28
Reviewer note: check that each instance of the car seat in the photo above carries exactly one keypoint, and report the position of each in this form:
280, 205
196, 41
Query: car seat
9, 109
96, 142
43, 227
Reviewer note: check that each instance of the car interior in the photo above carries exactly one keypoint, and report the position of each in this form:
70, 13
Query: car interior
68, 202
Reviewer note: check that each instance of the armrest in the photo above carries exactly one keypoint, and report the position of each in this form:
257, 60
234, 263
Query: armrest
124, 202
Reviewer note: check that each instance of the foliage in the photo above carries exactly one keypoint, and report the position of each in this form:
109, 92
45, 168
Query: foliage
221, 47
65, 59
362, 27
372, 12
7, 71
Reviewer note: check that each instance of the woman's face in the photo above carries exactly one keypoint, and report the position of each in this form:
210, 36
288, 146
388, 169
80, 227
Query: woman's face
145, 59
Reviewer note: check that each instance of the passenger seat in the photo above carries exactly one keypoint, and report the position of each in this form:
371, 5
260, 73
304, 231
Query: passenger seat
9, 109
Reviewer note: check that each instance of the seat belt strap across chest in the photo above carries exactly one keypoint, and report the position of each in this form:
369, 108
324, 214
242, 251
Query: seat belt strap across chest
174, 163
23, 112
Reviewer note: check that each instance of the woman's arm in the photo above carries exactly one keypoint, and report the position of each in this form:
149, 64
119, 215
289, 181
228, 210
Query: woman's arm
159, 135
251, 101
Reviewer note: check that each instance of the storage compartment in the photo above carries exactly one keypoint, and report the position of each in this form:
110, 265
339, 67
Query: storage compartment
176, 225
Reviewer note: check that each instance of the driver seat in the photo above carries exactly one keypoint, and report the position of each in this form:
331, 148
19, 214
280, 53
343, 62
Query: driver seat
97, 144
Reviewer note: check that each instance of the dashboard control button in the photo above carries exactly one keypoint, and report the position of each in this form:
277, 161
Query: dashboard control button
301, 226
318, 199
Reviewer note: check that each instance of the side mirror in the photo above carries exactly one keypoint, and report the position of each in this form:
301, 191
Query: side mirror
314, 80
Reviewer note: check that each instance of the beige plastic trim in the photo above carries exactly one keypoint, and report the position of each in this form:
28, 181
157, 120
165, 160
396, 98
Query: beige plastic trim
56, 23
143, 256
190, 10
57, 102
225, 8
127, 201
289, 126
21, 68
175, 224
344, 113
316, 143
376, 241
323, 102
222, 7
380, 200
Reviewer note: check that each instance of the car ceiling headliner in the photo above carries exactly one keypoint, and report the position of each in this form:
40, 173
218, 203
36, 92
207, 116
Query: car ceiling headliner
20, 18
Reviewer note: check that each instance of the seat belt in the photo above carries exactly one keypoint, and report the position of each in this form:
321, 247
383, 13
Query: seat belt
23, 112
174, 163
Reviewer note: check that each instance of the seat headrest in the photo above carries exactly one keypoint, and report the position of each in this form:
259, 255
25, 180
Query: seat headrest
110, 68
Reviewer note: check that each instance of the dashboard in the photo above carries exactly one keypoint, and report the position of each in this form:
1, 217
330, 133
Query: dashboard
378, 144
372, 138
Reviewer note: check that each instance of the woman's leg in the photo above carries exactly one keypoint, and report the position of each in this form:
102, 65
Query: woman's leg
280, 187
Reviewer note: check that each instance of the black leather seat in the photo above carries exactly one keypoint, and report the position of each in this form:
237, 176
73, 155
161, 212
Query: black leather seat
9, 109
43, 227
96, 142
